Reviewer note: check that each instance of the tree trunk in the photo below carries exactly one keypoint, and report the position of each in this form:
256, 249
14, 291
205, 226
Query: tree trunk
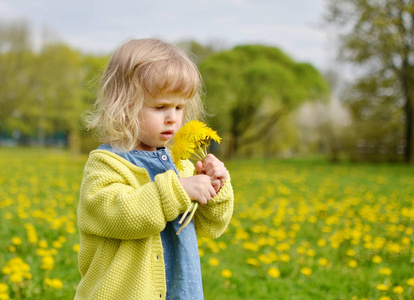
408, 110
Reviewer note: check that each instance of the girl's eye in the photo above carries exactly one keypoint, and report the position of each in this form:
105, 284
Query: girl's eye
159, 107
179, 107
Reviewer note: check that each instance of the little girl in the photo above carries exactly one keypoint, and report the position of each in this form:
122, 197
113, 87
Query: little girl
132, 194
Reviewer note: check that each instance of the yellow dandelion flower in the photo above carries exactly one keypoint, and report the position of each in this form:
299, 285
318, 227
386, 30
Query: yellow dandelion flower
376, 259
3, 288
213, 262
382, 287
410, 281
16, 277
284, 257
47, 263
306, 271
321, 243
76, 248
274, 272
55, 283
6, 270
384, 298
16, 240
226, 273
4, 297
352, 263
201, 252
323, 262
12, 249
265, 259
385, 271
250, 246
398, 289
43, 244
57, 244
253, 262
193, 138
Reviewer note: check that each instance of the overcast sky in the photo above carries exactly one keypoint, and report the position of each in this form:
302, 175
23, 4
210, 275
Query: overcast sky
99, 26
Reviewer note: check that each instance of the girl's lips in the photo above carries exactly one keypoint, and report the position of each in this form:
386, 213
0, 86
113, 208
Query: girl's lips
167, 134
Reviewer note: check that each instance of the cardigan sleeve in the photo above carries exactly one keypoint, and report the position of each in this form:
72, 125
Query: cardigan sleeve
118, 200
211, 219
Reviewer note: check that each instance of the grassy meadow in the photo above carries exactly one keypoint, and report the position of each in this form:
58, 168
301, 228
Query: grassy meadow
301, 230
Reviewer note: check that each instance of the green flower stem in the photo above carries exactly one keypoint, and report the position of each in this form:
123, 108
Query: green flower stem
190, 217
190, 208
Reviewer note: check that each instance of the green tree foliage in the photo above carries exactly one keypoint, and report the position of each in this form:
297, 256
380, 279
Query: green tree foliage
249, 88
379, 37
43, 92
15, 56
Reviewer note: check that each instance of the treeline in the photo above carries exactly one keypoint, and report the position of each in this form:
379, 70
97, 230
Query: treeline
43, 92
262, 102
249, 90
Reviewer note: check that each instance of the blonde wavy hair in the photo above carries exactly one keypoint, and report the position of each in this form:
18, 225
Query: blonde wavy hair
141, 70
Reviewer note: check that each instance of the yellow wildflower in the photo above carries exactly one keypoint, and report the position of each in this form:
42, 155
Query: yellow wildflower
16, 277
43, 244
382, 287
284, 257
214, 262
54, 283
306, 271
323, 262
385, 271
226, 273
376, 259
3, 288
16, 240
192, 139
47, 263
76, 248
274, 272
253, 262
410, 282
398, 289
352, 263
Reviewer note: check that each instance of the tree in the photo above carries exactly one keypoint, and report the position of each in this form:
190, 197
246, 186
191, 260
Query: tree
249, 88
15, 56
378, 35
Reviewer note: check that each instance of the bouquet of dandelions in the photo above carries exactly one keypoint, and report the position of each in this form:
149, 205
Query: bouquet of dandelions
192, 141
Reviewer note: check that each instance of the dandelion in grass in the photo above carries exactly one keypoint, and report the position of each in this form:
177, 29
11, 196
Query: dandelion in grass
213, 262
385, 271
274, 272
192, 141
306, 271
226, 273
382, 287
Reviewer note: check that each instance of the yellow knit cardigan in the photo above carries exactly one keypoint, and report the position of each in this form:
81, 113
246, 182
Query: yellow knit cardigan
120, 216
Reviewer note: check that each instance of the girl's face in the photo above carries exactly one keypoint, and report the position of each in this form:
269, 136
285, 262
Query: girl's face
160, 119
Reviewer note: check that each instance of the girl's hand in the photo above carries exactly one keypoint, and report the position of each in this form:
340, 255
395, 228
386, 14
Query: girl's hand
215, 169
198, 188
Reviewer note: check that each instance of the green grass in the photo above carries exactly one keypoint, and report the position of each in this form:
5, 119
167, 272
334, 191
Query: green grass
288, 215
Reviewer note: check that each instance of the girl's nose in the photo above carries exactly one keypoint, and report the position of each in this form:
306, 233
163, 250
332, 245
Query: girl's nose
171, 116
